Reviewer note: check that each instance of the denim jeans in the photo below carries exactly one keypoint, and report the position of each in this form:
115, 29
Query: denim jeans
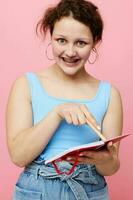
41, 182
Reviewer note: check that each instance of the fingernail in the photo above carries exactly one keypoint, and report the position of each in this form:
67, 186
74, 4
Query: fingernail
99, 127
69, 158
110, 143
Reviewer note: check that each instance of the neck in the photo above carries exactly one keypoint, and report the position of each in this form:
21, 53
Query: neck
81, 75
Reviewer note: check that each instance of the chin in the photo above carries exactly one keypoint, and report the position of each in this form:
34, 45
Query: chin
70, 71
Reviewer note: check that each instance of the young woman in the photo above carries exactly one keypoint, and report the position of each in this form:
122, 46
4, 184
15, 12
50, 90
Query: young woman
47, 112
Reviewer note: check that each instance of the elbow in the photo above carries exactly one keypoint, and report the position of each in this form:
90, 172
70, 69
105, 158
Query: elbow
114, 169
14, 156
17, 161
17, 158
18, 164
117, 167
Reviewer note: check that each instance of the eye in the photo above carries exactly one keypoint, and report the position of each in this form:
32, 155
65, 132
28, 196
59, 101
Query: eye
81, 43
61, 40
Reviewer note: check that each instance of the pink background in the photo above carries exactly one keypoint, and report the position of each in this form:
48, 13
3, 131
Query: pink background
21, 51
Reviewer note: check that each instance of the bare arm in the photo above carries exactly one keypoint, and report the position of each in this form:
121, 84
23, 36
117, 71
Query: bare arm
25, 141
112, 126
107, 161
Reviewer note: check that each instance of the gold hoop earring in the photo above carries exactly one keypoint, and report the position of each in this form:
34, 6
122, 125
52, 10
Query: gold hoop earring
46, 52
95, 58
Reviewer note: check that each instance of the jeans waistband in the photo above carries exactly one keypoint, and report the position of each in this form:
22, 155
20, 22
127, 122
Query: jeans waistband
83, 173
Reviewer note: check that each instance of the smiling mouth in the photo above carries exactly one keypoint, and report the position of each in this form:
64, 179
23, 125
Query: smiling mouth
70, 60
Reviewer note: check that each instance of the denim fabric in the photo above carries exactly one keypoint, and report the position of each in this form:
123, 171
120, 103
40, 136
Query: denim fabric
41, 182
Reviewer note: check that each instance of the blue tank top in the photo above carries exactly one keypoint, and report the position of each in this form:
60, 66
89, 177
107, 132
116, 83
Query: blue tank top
66, 135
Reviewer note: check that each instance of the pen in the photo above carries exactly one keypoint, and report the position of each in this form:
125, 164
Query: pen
96, 130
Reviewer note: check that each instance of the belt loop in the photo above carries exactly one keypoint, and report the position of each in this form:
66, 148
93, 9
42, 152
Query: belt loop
37, 172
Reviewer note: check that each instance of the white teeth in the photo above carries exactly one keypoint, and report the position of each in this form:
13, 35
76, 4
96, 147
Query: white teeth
70, 61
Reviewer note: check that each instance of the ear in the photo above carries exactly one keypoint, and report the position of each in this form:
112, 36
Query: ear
96, 44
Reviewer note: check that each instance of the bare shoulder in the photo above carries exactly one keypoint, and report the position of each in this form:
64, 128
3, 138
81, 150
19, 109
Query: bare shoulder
20, 82
115, 94
113, 119
20, 86
18, 109
115, 104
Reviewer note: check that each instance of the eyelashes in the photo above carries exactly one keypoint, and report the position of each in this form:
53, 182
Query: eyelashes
61, 40
81, 43
78, 43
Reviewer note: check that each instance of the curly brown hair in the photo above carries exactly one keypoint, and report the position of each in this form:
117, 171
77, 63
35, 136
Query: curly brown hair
81, 10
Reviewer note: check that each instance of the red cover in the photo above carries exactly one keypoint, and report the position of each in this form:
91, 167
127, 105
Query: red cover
76, 150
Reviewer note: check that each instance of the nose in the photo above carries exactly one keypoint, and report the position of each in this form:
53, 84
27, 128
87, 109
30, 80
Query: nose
70, 51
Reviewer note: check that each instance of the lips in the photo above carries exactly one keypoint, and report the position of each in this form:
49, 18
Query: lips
68, 60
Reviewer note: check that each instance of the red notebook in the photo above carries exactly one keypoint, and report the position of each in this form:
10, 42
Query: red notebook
78, 149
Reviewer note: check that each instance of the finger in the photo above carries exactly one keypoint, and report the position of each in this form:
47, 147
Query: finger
81, 117
81, 160
86, 160
74, 118
88, 154
89, 116
111, 148
68, 118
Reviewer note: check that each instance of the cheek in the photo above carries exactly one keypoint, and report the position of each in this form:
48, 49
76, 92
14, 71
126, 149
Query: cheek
85, 54
56, 50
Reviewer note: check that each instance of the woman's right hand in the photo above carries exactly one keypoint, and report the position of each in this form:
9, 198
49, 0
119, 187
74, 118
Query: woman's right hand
75, 113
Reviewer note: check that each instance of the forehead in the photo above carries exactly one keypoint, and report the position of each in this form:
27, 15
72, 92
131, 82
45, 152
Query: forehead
68, 26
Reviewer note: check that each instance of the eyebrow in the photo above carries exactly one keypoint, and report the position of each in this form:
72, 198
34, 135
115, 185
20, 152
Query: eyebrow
76, 39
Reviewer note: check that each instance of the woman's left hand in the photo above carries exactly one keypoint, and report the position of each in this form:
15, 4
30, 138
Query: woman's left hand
98, 157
